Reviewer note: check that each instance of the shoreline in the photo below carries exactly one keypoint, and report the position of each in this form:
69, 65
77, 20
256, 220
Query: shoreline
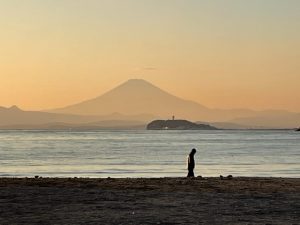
141, 129
208, 200
277, 182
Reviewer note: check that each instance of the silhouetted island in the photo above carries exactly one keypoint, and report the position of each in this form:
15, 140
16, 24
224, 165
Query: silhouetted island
298, 129
178, 125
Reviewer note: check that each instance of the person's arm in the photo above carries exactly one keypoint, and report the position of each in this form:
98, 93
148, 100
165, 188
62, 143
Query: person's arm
188, 161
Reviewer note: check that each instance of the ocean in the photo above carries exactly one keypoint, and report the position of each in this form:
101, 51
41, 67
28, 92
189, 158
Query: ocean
143, 153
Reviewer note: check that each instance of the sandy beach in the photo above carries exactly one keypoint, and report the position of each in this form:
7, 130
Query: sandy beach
150, 201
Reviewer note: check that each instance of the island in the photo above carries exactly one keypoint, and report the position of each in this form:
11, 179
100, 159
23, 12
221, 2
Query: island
298, 129
178, 125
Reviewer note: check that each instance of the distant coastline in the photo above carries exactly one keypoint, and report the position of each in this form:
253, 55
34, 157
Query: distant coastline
120, 109
74, 127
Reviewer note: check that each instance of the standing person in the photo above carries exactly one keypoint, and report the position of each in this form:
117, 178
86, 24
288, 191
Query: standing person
191, 163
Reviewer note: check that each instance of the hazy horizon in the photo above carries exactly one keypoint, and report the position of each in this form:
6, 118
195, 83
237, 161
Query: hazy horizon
112, 88
137, 100
233, 54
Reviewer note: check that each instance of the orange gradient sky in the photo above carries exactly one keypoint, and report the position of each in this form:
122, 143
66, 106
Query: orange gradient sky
222, 54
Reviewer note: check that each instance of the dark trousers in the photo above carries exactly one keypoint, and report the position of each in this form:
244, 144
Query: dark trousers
191, 172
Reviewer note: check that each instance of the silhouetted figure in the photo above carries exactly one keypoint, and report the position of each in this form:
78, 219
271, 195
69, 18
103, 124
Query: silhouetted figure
191, 163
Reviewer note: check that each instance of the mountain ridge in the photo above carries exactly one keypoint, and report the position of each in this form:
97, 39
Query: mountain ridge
139, 100
16, 118
137, 96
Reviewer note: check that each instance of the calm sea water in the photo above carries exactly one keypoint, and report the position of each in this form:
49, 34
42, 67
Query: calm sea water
148, 153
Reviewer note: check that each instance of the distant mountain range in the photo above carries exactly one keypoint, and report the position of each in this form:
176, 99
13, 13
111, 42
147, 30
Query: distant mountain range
15, 118
135, 103
136, 97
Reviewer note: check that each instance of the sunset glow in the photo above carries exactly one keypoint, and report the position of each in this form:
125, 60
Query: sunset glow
222, 54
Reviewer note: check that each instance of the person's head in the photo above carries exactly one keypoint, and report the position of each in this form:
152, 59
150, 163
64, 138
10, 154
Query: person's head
193, 151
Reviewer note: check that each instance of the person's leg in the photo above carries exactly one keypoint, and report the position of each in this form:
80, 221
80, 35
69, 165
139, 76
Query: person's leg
191, 173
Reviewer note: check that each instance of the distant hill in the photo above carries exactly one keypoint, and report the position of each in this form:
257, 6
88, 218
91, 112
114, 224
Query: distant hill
136, 97
102, 125
14, 115
231, 126
177, 125
15, 118
139, 97
137, 102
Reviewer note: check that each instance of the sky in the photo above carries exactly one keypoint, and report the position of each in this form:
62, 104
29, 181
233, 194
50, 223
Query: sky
220, 53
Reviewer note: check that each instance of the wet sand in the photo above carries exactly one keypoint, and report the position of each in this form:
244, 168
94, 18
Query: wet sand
150, 201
